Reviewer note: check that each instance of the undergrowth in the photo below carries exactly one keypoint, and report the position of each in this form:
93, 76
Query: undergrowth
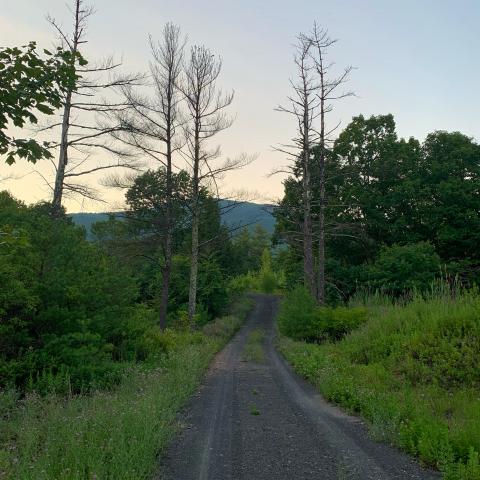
412, 371
110, 434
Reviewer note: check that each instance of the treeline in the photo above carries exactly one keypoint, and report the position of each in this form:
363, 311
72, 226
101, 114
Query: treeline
364, 209
75, 313
399, 213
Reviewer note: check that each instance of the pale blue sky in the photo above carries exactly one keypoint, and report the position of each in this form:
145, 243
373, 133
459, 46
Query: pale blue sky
416, 59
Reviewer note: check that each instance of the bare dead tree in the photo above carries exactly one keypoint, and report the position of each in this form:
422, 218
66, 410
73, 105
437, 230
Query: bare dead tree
87, 134
303, 106
327, 92
151, 127
313, 93
206, 117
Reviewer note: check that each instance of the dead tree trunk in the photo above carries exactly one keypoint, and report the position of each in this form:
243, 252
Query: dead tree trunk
80, 18
84, 136
150, 126
62, 158
327, 92
303, 106
206, 118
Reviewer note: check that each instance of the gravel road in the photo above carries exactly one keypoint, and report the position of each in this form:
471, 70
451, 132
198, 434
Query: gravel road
257, 420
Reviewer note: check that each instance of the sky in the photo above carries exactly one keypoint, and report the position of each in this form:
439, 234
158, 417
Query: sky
416, 59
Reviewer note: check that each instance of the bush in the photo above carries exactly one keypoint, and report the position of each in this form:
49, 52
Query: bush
62, 304
335, 323
301, 319
404, 268
243, 283
412, 371
298, 317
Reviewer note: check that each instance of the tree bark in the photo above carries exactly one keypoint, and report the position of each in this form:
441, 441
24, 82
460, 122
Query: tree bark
62, 158
192, 294
321, 179
307, 225
168, 239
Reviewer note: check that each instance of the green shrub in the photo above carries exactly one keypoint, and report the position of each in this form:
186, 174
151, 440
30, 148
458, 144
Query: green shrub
298, 317
335, 323
267, 280
403, 268
247, 282
301, 319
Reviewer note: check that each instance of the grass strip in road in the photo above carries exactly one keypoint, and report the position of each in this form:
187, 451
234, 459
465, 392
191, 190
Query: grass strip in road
254, 351
114, 434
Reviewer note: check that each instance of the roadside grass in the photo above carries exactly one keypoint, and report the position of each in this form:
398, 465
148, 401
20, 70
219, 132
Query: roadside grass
254, 351
115, 434
413, 372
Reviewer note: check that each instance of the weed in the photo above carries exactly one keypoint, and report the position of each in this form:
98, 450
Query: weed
254, 410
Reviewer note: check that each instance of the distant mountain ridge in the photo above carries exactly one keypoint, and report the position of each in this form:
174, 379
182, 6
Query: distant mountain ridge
241, 213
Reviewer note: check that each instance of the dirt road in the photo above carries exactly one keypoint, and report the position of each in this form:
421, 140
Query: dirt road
254, 419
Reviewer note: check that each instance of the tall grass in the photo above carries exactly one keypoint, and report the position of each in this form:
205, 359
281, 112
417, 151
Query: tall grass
114, 434
413, 371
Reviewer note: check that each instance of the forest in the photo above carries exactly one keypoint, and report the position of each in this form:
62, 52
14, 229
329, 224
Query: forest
374, 256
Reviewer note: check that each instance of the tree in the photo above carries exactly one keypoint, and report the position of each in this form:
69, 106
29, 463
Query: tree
304, 108
314, 92
58, 310
152, 128
32, 85
206, 118
248, 247
327, 93
382, 183
86, 135
450, 206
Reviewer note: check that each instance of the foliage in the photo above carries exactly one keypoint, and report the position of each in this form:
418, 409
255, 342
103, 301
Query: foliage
301, 319
404, 268
29, 85
110, 434
212, 291
60, 313
248, 248
136, 240
265, 280
71, 322
412, 371
298, 316
385, 192
335, 323
146, 200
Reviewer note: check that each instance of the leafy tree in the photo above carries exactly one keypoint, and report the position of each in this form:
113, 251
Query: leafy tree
30, 85
266, 276
57, 309
135, 238
450, 206
383, 191
247, 250
380, 184
404, 268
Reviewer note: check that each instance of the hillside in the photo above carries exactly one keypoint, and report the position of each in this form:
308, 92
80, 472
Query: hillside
240, 213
